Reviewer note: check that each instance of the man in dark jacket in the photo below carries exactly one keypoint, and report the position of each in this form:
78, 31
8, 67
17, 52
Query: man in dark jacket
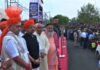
56, 26
32, 44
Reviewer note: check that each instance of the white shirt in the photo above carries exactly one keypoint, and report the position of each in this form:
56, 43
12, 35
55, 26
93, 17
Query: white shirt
12, 48
98, 48
21, 34
43, 42
23, 42
83, 34
26, 52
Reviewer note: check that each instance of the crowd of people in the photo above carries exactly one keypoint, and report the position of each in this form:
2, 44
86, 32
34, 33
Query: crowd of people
28, 45
86, 36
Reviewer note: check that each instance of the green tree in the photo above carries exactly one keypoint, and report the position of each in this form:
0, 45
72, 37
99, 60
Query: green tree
62, 19
88, 14
73, 20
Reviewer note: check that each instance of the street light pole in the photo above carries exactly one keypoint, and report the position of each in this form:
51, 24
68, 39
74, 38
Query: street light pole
6, 4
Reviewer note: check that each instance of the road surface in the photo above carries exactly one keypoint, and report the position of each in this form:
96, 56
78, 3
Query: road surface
81, 59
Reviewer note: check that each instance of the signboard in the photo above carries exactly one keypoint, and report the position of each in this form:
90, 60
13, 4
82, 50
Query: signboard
33, 9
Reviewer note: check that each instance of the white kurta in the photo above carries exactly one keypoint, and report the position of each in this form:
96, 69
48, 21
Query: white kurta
11, 49
43, 47
98, 49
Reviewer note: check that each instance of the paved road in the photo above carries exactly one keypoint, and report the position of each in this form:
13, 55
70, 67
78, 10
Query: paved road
81, 59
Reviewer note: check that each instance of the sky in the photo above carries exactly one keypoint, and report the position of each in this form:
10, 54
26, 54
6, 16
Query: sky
67, 8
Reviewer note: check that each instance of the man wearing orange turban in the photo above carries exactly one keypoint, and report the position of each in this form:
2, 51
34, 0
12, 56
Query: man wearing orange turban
32, 43
12, 48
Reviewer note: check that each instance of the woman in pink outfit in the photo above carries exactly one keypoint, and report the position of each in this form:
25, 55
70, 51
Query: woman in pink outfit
52, 53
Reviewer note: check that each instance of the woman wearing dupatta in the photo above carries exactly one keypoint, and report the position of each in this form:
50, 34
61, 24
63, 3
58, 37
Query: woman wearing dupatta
52, 53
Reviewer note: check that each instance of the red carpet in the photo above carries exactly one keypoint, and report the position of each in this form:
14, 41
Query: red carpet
64, 52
